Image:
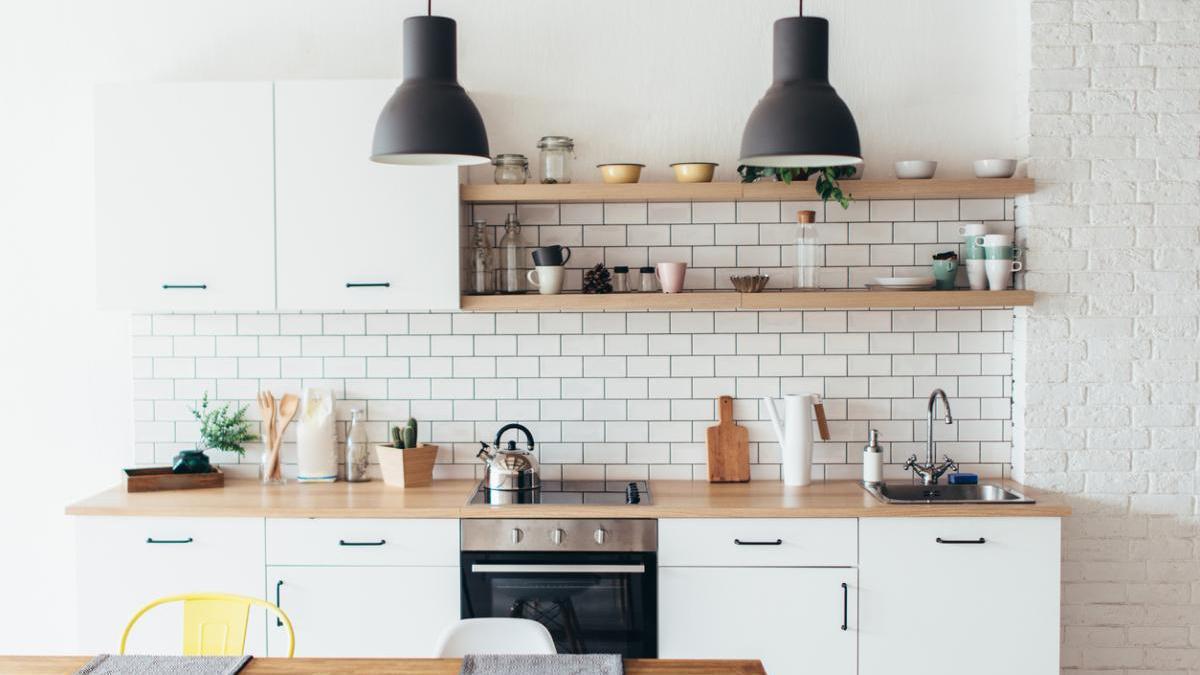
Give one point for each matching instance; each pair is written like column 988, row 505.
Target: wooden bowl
column 620, row 173
column 694, row 172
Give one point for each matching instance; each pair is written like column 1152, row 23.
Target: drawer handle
column 152, row 540
column 278, row 585
column 845, row 606
column 777, row 542
column 191, row 287
column 375, row 284
column 343, row 542
column 980, row 540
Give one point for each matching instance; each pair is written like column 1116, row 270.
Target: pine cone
column 597, row 280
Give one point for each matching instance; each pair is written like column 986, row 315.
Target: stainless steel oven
column 591, row 583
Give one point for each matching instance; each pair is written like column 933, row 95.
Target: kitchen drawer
column 362, row 541
column 758, row 542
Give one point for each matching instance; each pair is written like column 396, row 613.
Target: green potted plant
column 406, row 463
column 220, row 429
column 827, row 183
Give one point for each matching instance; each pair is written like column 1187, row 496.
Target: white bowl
column 995, row 168
column 915, row 168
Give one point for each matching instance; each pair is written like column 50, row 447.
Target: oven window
column 590, row 603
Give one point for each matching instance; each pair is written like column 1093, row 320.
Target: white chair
column 494, row 636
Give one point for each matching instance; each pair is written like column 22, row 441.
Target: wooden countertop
column 45, row 665
column 448, row 499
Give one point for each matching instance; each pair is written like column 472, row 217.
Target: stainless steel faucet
column 931, row 471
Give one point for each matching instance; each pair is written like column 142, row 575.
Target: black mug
column 551, row 256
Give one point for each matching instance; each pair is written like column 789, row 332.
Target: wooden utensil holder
column 154, row 479
column 407, row 467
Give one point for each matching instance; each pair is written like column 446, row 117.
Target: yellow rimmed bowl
column 620, row 173
column 694, row 172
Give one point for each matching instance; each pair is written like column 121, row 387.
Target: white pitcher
column 795, row 435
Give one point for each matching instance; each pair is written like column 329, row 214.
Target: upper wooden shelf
column 727, row 300
column 975, row 188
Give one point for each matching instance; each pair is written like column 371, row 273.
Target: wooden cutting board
column 728, row 447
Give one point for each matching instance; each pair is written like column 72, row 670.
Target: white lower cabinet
column 363, row 611
column 125, row 562
column 948, row 595
column 796, row 620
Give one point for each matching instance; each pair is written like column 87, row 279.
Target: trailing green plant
column 221, row 429
column 827, row 183
column 406, row 436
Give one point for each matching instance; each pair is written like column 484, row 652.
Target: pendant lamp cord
column 801, row 10
column 429, row 7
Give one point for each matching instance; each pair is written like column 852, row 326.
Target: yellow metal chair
column 214, row 624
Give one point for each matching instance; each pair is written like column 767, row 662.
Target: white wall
column 934, row 78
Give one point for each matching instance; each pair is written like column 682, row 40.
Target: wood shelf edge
column 967, row 188
column 730, row 300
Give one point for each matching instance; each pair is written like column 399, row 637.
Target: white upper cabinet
column 353, row 234
column 185, row 197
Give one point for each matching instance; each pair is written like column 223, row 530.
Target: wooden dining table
column 57, row 665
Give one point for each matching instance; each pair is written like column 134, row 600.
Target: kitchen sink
column 946, row 494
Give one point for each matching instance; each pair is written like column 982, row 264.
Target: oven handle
column 562, row 569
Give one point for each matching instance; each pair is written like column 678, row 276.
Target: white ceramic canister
column 316, row 438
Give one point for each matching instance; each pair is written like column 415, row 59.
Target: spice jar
column 511, row 169
column 556, row 153
column 620, row 279
column 648, row 281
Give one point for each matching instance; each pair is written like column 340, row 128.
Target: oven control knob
column 556, row 536
column 516, row 535
column 601, row 535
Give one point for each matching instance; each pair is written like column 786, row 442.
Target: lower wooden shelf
column 728, row 300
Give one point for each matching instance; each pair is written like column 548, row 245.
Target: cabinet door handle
column 980, row 540
column 152, row 540
column 777, row 542
column 373, row 284
column 845, row 606
column 278, row 585
column 343, row 542
column 193, row 287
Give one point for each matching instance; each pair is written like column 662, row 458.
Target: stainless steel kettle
column 506, row 467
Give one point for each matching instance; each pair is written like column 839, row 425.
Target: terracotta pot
column 411, row 467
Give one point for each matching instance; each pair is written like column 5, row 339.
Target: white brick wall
column 1107, row 359
column 624, row 394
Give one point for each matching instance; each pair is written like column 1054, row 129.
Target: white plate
column 904, row 282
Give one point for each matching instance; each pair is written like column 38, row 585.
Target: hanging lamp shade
column 800, row 121
column 430, row 120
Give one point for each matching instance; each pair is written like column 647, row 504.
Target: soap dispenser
column 872, row 461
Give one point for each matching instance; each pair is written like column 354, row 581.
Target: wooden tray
column 153, row 479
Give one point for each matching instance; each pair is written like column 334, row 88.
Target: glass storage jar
column 510, row 272
column 620, row 279
column 809, row 252
column 511, row 169
column 481, row 266
column 647, row 280
column 556, row 153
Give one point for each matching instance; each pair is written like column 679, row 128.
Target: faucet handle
column 912, row 462
column 950, row 464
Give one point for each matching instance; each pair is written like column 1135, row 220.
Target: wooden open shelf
column 975, row 188
column 728, row 300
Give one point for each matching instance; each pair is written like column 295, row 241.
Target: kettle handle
column 518, row 427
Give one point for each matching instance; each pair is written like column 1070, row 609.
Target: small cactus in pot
column 404, row 463
column 406, row 436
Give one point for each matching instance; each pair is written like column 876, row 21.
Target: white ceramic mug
column 977, row 273
column 972, row 229
column 994, row 240
column 549, row 279
column 999, row 273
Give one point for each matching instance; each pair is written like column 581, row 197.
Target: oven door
column 592, row 603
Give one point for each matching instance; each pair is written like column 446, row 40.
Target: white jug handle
column 774, row 415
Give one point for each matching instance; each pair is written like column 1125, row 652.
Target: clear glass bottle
column 357, row 451
column 511, row 169
column 620, row 279
column 810, row 254
column 648, row 282
column 509, row 272
column 556, row 153
column 481, row 261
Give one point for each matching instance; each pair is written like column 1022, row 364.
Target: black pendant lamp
column 801, row 121
column 430, row 120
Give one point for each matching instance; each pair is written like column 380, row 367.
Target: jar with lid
column 620, row 279
column 481, row 266
column 810, row 253
column 555, row 155
column 509, row 273
column 357, row 450
column 648, row 281
column 511, row 169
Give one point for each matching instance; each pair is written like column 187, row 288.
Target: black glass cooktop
column 633, row 493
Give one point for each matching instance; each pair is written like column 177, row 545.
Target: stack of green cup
column 999, row 259
column 973, row 254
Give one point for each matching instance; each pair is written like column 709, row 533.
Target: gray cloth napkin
column 542, row 664
column 151, row 664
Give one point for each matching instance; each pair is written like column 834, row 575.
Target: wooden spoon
column 287, row 410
